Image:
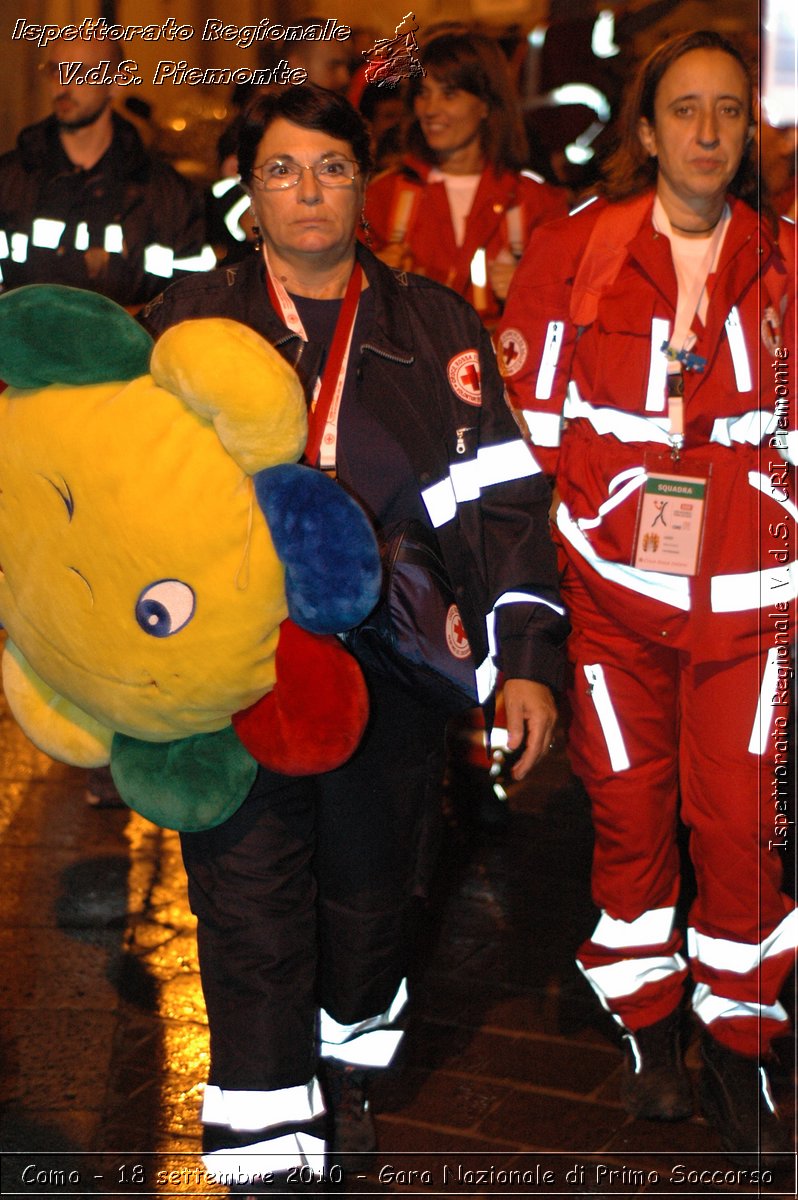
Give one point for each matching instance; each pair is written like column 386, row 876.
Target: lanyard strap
column 328, row 391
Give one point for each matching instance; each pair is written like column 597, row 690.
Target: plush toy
column 170, row 580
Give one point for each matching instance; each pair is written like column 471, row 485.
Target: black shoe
column 736, row 1100
column 655, row 1083
column 353, row 1133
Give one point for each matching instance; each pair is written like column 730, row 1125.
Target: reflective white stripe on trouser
column 763, row 718
column 626, row 427
column 250, row 1110
column 544, row 428
column 668, row 589
column 548, row 359
column 159, row 260
column 652, row 928
column 240, row 1166
column 749, row 428
column 626, row 977
column 599, row 693
column 465, row 481
column 366, row 1043
column 657, row 365
column 46, row 233
column 742, row 367
column 722, row 954
column 756, row 589
column 708, row 1007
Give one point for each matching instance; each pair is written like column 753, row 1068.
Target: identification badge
column 670, row 516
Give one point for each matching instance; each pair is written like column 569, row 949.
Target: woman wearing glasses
column 305, row 898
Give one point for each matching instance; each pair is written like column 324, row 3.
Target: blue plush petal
column 326, row 544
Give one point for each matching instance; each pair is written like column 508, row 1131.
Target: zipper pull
column 460, row 444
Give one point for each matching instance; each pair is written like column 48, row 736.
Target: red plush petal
column 314, row 718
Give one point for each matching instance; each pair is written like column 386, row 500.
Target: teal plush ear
column 54, row 334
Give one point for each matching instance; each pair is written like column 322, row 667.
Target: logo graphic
column 513, row 351
column 456, row 638
column 392, row 59
column 464, row 379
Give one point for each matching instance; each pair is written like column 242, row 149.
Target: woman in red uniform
column 648, row 338
column 461, row 207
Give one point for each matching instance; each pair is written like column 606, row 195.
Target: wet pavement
column 508, row 1081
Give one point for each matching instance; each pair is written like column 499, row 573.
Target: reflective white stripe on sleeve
column 722, row 954
column 602, row 702
column 264, row 1159
column 751, row 427
column 514, row 598
column 763, row 718
column 626, row 427
column 466, row 480
column 628, row 976
column 742, row 367
column 204, row 261
column 234, row 215
column 668, row 589
column 756, row 589
column 548, row 359
column 158, row 260
column 708, row 1007
column 658, row 365
column 46, row 233
column 114, row 239
column 632, row 479
column 245, row 1110
column 486, row 675
column 4, row 250
column 652, row 928
column 82, row 236
column 19, row 247
column 544, row 428
column 365, row 1043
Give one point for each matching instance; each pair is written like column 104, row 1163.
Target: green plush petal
column 190, row 784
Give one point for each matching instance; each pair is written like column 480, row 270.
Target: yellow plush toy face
column 135, row 565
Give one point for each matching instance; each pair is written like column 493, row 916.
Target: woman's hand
column 500, row 273
column 531, row 713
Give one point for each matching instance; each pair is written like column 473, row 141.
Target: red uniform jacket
column 584, row 364
column 403, row 207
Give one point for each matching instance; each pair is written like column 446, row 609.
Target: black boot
column 736, row 1099
column 655, row 1083
column 352, row 1133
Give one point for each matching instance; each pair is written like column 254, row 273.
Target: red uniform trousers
column 657, row 732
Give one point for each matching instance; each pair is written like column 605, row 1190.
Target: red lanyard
column 326, row 404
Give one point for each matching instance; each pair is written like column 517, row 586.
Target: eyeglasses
column 277, row 174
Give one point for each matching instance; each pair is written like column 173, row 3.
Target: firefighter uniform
column 407, row 206
column 680, row 682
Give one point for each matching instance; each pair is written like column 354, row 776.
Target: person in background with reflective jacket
column 306, row 897
column 461, row 207
column 648, row 341
column 83, row 203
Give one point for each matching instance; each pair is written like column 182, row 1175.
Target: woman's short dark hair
column 630, row 168
column 476, row 64
column 307, row 105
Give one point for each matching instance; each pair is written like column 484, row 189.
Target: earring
column 258, row 238
column 365, row 229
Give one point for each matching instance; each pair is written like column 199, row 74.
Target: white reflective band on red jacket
column 266, row 1158
column 544, row 428
column 739, row 353
column 787, row 446
column 668, row 589
column 708, row 1007
column 245, row 1110
column 657, row 365
column 751, row 427
column 466, row 480
column 741, row 958
column 626, row 427
column 365, row 1043
column 757, row 589
column 652, row 928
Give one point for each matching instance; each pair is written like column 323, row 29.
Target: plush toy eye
column 165, row 607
